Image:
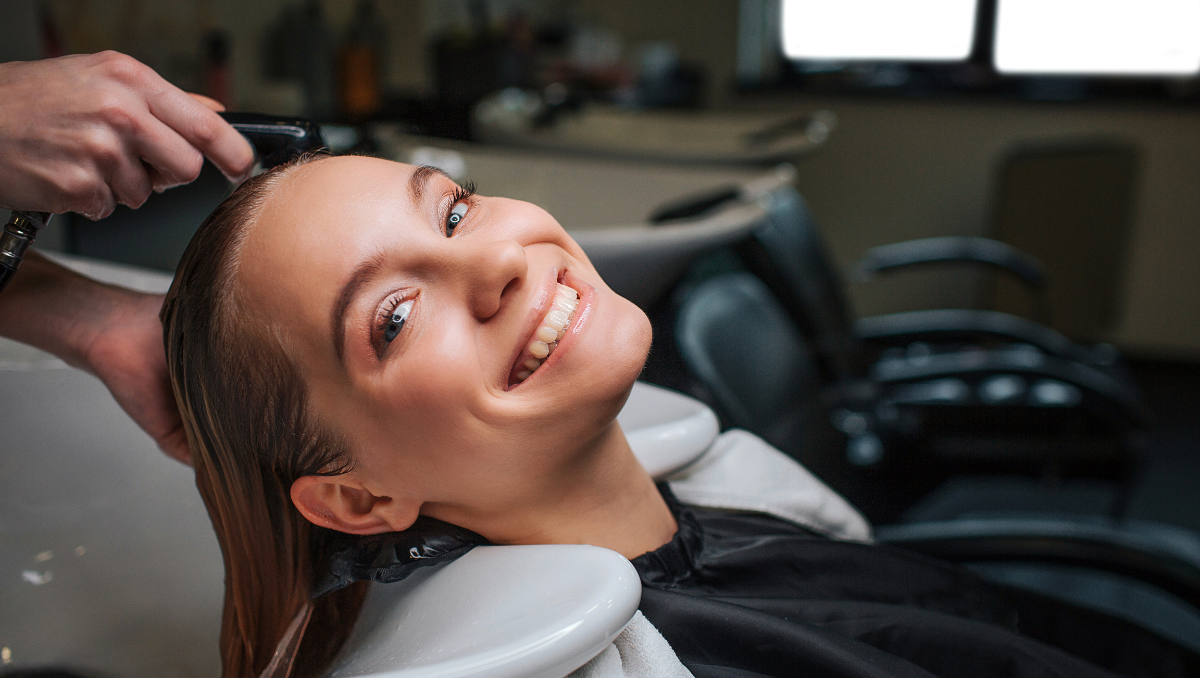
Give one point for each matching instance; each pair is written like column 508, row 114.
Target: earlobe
column 342, row 503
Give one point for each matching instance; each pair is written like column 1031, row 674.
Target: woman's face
column 410, row 310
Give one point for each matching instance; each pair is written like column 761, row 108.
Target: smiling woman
column 366, row 354
column 353, row 344
column 437, row 299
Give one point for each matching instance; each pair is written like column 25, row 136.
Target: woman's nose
column 491, row 268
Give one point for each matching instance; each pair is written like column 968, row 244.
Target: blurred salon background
column 1093, row 171
column 1069, row 129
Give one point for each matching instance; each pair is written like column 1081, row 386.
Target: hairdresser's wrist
column 57, row 310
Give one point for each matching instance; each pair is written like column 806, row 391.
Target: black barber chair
column 1144, row 572
column 921, row 399
column 914, row 398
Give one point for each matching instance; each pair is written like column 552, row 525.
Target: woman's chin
column 623, row 363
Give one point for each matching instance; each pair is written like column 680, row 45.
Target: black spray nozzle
column 17, row 236
column 277, row 140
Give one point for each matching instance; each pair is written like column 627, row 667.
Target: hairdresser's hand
column 127, row 354
column 83, row 133
column 110, row 331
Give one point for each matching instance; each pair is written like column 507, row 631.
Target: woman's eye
column 395, row 321
column 456, row 216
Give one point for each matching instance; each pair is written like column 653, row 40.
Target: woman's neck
column 605, row 498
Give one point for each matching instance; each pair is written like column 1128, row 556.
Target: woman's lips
column 560, row 318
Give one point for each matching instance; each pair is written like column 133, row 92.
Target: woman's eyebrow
column 369, row 267
column 419, row 178
column 363, row 274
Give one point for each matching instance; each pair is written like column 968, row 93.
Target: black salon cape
column 743, row 595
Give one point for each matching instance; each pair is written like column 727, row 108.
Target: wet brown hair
column 244, row 407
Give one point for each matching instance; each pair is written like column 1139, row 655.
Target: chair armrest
column 942, row 324
column 1171, row 565
column 952, row 249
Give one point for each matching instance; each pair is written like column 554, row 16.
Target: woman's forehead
column 330, row 200
column 336, row 183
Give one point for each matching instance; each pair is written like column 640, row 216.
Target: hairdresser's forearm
column 57, row 310
column 110, row 331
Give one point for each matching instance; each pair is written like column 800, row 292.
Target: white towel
column 639, row 651
column 741, row 471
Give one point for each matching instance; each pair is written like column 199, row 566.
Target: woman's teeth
column 547, row 335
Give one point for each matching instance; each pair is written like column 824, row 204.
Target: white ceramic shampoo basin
column 523, row 611
column 498, row 611
column 666, row 430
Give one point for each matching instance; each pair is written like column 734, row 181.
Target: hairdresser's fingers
column 100, row 205
column 89, row 170
column 75, row 130
column 158, row 180
column 150, row 402
column 204, row 129
column 114, row 156
column 168, row 429
column 110, row 125
column 173, row 161
column 195, row 121
column 212, row 103
column 129, row 180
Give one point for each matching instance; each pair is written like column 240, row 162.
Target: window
column 905, row 30
column 1098, row 37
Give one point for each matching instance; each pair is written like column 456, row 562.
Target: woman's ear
column 342, row 503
